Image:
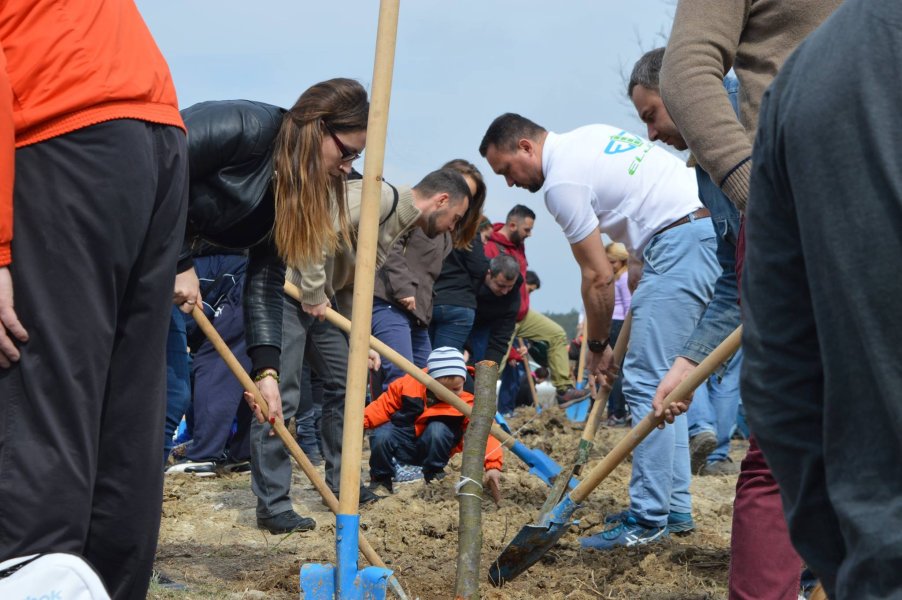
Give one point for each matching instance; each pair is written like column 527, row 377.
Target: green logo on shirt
column 627, row 142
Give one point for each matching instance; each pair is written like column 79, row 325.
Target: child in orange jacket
column 414, row 427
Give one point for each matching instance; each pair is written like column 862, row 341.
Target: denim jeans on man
column 178, row 378
column 398, row 329
column 677, row 283
column 431, row 450
column 451, row 325
column 715, row 406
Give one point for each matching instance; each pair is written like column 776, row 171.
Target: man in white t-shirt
column 598, row 179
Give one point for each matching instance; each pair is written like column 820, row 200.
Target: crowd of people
column 140, row 214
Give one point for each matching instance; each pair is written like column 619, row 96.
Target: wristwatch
column 598, row 346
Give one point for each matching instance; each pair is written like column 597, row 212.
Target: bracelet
column 266, row 373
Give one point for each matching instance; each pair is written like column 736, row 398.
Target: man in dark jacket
column 510, row 238
column 402, row 303
column 497, row 303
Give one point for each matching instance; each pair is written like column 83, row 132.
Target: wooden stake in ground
column 469, row 490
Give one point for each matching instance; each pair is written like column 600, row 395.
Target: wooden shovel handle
column 634, row 437
column 440, row 391
column 601, row 398
column 532, row 384
column 290, row 444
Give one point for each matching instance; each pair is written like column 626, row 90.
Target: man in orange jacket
column 414, row 427
column 93, row 175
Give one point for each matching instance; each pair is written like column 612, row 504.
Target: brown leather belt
column 701, row 213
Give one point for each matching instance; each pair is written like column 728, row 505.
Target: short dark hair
column 533, row 279
column 520, row 212
column 541, row 373
column 444, row 180
column 504, row 264
column 507, row 130
column 647, row 71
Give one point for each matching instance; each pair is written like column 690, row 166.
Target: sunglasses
column 347, row 155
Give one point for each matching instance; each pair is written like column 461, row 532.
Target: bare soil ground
column 209, row 539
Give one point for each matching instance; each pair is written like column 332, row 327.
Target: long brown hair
column 469, row 224
column 307, row 197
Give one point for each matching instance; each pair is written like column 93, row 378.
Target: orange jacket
column 404, row 403
column 69, row 65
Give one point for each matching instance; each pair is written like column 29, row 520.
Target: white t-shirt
column 601, row 176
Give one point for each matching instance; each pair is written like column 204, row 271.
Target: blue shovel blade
column 540, row 464
column 578, row 412
column 531, row 543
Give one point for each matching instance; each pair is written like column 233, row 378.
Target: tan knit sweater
column 321, row 281
column 754, row 37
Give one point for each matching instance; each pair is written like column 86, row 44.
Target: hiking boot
column 569, row 395
column 380, row 483
column 677, row 523
column 700, row 446
column 286, row 522
column 720, row 468
column 199, row 468
column 627, row 533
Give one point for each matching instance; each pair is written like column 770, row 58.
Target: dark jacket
column 411, row 270
column 461, row 276
column 231, row 204
column 499, row 314
column 498, row 244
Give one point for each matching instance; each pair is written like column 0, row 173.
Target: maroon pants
column 763, row 563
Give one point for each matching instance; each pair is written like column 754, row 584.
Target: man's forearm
column 598, row 300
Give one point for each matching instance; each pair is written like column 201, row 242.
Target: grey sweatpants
column 326, row 350
column 822, row 377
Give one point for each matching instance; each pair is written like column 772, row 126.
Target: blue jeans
column 178, row 378
column 715, row 406
column 431, row 450
column 677, row 283
column 398, row 329
column 451, row 325
column 510, row 386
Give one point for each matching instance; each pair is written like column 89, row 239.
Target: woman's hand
column 186, row 294
column 492, row 482
column 316, row 310
column 269, row 389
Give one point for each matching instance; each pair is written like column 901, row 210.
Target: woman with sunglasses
column 271, row 181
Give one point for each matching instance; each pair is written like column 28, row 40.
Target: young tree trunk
column 470, row 493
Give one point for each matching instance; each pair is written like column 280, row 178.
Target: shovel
column 290, row 444
column 540, row 464
column 534, row 540
column 586, row 442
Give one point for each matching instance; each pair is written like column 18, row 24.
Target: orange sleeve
column 7, row 163
column 382, row 408
column 494, row 455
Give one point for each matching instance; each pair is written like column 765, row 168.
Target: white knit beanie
column 446, row 362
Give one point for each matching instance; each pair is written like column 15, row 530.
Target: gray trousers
column 326, row 351
column 822, row 377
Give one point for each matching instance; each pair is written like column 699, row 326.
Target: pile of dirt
column 209, row 539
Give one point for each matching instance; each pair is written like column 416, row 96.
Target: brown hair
column 469, row 224
column 307, row 197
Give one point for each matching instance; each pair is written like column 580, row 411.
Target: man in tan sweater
column 754, row 37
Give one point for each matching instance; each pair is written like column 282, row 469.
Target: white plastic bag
column 55, row 576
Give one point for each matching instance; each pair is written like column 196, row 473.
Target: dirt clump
column 209, row 539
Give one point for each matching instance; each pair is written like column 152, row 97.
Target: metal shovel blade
column 531, row 543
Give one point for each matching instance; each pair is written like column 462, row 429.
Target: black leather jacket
column 231, row 205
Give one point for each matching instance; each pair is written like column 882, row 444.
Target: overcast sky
column 458, row 65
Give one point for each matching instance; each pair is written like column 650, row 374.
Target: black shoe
column 286, row 522
column 366, row 497
column 165, row 583
column 430, row 476
column 570, row 395
column 381, row 483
